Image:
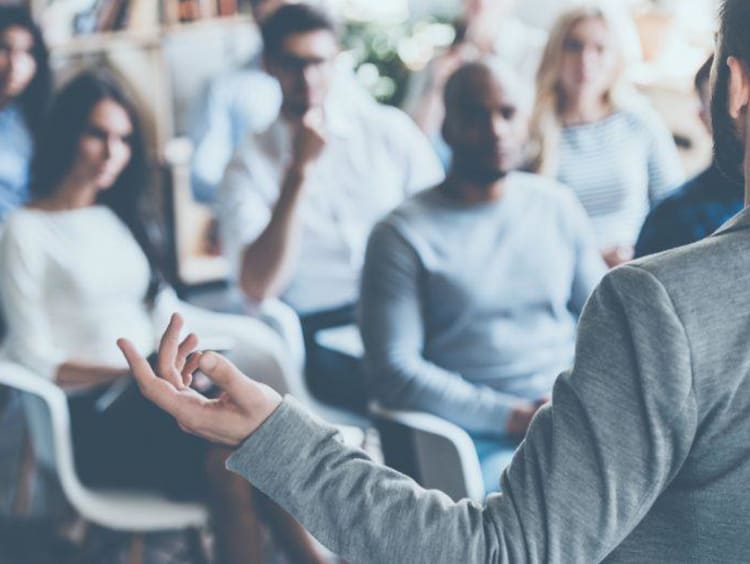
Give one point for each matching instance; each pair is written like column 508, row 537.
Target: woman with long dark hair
column 79, row 267
column 24, row 92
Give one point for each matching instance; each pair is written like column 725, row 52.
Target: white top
column 374, row 158
column 233, row 104
column 72, row 283
column 242, row 102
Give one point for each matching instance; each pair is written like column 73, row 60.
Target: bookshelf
column 165, row 51
column 140, row 49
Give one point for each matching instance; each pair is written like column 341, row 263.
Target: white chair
column 433, row 451
column 46, row 410
column 285, row 322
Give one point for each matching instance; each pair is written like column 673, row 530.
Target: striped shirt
column 620, row 167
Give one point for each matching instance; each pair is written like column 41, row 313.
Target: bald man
column 471, row 290
column 641, row 457
column 485, row 27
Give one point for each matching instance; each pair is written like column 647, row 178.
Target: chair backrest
column 436, row 453
column 48, row 419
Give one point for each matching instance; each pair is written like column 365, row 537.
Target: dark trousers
column 135, row 444
column 333, row 377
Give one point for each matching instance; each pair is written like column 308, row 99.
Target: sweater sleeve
column 22, row 280
column 665, row 172
column 393, row 332
column 618, row 430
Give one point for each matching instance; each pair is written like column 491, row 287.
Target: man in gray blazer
column 642, row 456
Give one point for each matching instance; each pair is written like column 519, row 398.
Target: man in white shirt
column 244, row 101
column 299, row 199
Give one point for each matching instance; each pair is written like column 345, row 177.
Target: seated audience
column 25, row 84
column 641, row 456
column 471, row 290
column 299, row 199
column 241, row 102
column 487, row 27
column 592, row 132
column 701, row 205
column 79, row 266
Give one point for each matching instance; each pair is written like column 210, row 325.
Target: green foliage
column 386, row 54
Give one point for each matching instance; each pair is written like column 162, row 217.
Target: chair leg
column 25, row 484
column 136, row 550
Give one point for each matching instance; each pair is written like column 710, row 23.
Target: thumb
column 227, row 376
column 314, row 119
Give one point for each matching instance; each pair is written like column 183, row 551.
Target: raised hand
column 240, row 409
column 309, row 138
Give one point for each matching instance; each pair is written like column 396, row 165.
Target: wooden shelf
column 208, row 23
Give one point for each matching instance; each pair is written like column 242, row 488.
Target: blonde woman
column 594, row 133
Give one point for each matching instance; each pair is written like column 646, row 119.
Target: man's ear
column 739, row 87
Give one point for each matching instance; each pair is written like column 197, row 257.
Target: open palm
column 240, row 409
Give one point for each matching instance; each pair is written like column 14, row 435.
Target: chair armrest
column 51, row 431
column 20, row 378
column 432, row 425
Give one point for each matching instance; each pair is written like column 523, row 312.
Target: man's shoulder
column 709, row 267
column 693, row 204
column 415, row 216
column 538, row 185
column 382, row 118
column 265, row 140
column 421, row 205
column 547, row 191
column 686, row 198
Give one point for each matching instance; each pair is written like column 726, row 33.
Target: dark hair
column 703, row 74
column 729, row 150
column 734, row 17
column 57, row 149
column 292, row 19
column 35, row 98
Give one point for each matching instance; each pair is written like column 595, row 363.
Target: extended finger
column 168, row 349
column 154, row 388
column 139, row 366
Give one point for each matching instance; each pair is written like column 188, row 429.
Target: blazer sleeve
column 619, row 428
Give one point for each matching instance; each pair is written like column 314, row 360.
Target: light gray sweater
column 468, row 310
column 643, row 456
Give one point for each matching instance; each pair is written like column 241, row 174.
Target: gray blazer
column 643, row 456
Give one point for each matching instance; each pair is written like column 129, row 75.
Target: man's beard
column 468, row 167
column 729, row 150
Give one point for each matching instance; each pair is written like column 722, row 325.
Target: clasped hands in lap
column 238, row 411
